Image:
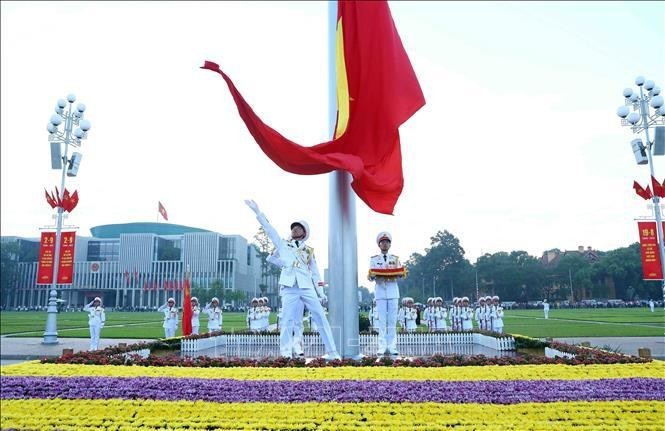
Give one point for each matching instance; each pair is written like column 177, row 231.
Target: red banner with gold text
column 651, row 268
column 46, row 258
column 66, row 260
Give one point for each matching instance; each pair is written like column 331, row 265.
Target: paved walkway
column 15, row 349
column 626, row 345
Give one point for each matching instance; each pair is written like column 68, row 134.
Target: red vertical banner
column 651, row 268
column 66, row 260
column 46, row 257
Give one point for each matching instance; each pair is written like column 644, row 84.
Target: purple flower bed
column 229, row 390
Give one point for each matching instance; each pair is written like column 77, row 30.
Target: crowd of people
column 437, row 317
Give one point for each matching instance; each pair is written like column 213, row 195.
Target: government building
column 139, row 265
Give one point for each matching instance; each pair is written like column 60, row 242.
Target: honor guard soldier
column 440, row 315
column 196, row 311
column 452, row 313
column 546, row 309
column 214, row 312
column 170, row 318
column 466, row 315
column 497, row 321
column 489, row 313
column 253, row 316
column 410, row 315
column 385, row 269
column 479, row 313
column 96, row 320
column 427, row 315
column 300, row 282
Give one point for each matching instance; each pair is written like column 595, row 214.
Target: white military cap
column 438, row 298
column 255, row 300
column 383, row 235
column 495, row 297
column 171, row 300
column 304, row 225
column 214, row 299
column 465, row 298
column 97, row 298
column 194, row 298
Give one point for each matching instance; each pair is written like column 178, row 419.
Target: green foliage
column 363, row 323
column 9, row 268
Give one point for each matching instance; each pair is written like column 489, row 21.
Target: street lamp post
column 641, row 120
column 64, row 113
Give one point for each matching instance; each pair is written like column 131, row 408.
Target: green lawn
column 612, row 322
column 599, row 322
column 118, row 324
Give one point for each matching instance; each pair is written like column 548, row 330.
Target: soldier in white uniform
column 479, row 313
column 299, row 282
column 214, row 312
column 453, row 314
column 196, row 311
column 266, row 313
column 466, row 315
column 386, row 293
column 440, row 315
column 497, row 321
column 546, row 309
column 253, row 316
column 428, row 315
column 170, row 318
column 410, row 315
column 96, row 320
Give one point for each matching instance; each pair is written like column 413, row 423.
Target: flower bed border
column 129, row 355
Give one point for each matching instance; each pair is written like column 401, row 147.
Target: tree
column 265, row 247
column 9, row 269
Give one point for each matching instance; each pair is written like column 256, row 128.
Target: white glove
column 252, row 205
column 323, row 298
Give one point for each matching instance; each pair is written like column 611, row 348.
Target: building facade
column 140, row 265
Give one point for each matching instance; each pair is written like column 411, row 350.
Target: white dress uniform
column 497, row 321
column 214, row 317
column 374, row 319
column 196, row 311
column 298, row 327
column 299, row 282
column 170, row 319
column 410, row 315
column 466, row 316
column 440, row 315
column 546, row 309
column 254, row 315
column 96, row 320
column 386, row 293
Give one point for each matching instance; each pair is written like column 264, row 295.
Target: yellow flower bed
column 147, row 415
column 495, row 372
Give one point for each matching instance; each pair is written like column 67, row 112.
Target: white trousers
column 95, row 331
column 298, row 329
column 293, row 298
column 547, row 313
column 387, row 311
column 195, row 330
column 169, row 332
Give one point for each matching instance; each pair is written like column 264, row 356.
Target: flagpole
column 342, row 242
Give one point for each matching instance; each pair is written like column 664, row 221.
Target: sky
column 517, row 148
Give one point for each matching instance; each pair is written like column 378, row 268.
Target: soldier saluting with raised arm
column 299, row 282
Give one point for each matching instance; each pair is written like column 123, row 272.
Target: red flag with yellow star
column 377, row 91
